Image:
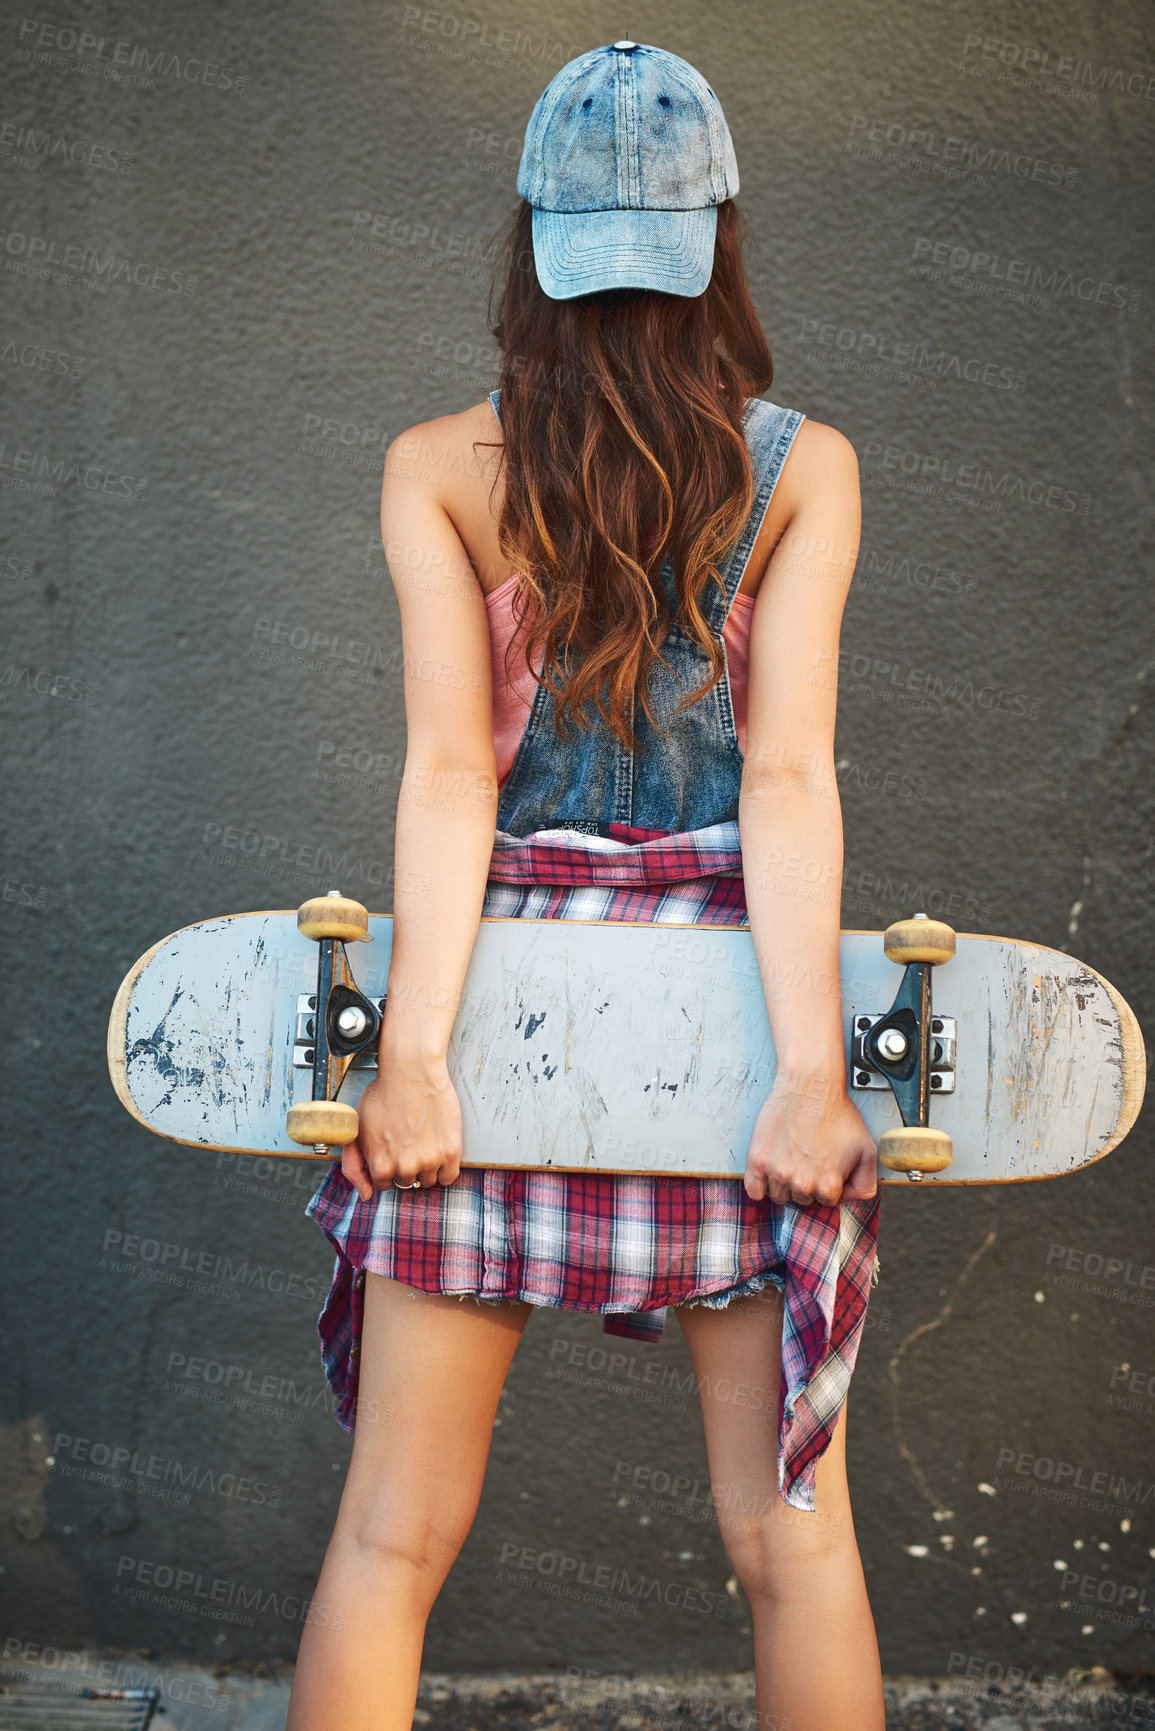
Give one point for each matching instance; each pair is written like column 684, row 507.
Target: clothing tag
column 586, row 826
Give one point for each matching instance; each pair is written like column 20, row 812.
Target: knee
column 423, row 1544
column 778, row 1549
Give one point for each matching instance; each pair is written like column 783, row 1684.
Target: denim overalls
column 688, row 777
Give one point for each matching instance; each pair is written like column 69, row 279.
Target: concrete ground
column 201, row 1699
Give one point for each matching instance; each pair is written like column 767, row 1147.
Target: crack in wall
column 895, row 1386
column 1092, row 790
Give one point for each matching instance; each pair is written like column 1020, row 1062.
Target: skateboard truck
column 910, row 1049
column 336, row 1024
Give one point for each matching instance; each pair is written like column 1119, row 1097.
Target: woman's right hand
column 810, row 1144
column 410, row 1128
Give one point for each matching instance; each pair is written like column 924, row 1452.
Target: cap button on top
column 625, row 43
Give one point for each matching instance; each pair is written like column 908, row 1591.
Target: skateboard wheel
column 919, row 940
column 915, row 1148
column 332, row 917
column 322, row 1121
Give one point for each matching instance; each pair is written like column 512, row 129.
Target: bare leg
column 815, row 1652
column 432, row 1368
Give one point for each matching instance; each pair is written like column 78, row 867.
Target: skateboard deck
column 607, row 1047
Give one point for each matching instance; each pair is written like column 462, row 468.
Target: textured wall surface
column 246, row 246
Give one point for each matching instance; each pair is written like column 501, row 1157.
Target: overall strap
column 770, row 432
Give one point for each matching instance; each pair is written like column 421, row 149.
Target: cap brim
column 580, row 252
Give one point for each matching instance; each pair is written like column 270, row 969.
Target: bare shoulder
column 819, row 458
column 440, row 453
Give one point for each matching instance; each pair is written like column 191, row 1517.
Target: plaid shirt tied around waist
column 625, row 1245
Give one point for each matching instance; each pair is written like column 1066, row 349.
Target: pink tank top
column 512, row 702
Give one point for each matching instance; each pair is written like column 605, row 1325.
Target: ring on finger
column 416, row 1185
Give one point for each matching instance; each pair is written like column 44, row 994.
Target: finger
column 779, row 1192
column 755, row 1185
column 862, row 1184
column 355, row 1170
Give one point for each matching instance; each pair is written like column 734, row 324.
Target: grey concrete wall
column 204, row 359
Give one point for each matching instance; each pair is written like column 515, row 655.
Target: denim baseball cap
column 627, row 156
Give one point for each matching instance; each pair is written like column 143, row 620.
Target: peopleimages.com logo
column 212, row 1595
column 72, row 1455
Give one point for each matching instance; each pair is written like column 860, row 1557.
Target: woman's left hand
column 810, row 1145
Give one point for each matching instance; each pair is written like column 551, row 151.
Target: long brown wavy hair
column 621, row 417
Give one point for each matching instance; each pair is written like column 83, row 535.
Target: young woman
column 621, row 582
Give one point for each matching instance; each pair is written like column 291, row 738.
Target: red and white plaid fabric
column 626, row 1246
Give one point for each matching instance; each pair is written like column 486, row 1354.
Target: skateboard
column 610, row 1047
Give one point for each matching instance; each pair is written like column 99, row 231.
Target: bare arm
column 446, row 818
column 810, row 1140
